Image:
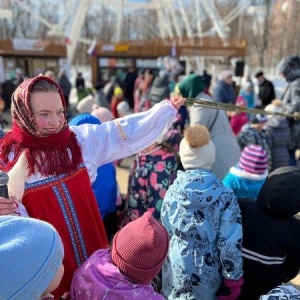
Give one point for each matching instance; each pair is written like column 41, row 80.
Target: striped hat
column 254, row 159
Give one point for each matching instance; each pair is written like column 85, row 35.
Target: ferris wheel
column 168, row 12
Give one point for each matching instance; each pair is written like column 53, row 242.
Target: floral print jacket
column 203, row 220
column 149, row 179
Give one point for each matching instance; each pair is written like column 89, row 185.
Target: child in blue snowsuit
column 203, row 220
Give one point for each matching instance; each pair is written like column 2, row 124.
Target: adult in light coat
column 227, row 149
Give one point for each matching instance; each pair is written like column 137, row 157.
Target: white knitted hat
column 196, row 150
column 123, row 108
column 85, row 106
column 225, row 74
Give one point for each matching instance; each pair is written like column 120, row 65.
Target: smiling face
column 48, row 112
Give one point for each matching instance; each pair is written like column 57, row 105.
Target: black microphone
column 3, row 184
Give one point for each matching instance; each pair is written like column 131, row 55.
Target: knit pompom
column 197, row 136
column 277, row 102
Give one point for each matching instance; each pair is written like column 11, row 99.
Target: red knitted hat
column 140, row 248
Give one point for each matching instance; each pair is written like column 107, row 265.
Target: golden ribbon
column 232, row 107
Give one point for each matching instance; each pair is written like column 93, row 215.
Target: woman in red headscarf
column 51, row 166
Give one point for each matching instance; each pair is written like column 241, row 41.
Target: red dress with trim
column 68, row 203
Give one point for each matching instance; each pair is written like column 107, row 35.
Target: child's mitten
column 234, row 289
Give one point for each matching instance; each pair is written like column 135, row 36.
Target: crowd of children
column 208, row 225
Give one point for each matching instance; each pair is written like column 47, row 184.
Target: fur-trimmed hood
column 290, row 67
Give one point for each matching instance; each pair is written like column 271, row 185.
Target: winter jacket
column 291, row 97
column 282, row 292
column 159, row 90
column 271, row 240
column 278, row 133
column 150, row 177
column 80, row 84
column 173, row 138
column 203, row 220
column 224, row 93
column 105, row 184
column 249, row 96
column 227, row 149
column 291, row 103
column 237, row 121
column 115, row 100
column 244, row 184
column 100, row 279
column 290, row 68
column 65, row 85
column 266, row 92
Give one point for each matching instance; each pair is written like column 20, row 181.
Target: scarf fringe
column 62, row 158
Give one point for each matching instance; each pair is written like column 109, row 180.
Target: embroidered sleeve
column 126, row 136
column 121, row 131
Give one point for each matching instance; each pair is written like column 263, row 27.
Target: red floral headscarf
column 54, row 154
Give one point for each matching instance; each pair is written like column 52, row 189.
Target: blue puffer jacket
column 203, row 220
column 244, row 184
column 105, row 185
column 224, row 93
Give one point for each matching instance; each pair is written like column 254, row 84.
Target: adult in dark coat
column 8, row 88
column 65, row 85
column 271, row 240
column 278, row 132
column 80, row 82
column 129, row 85
column 266, row 91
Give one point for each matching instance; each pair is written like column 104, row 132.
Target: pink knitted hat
column 140, row 248
column 254, row 159
column 241, row 101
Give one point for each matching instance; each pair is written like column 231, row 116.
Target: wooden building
column 30, row 55
column 22, row 57
column 144, row 54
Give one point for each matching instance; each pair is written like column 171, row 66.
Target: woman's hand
column 177, row 101
column 7, row 206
